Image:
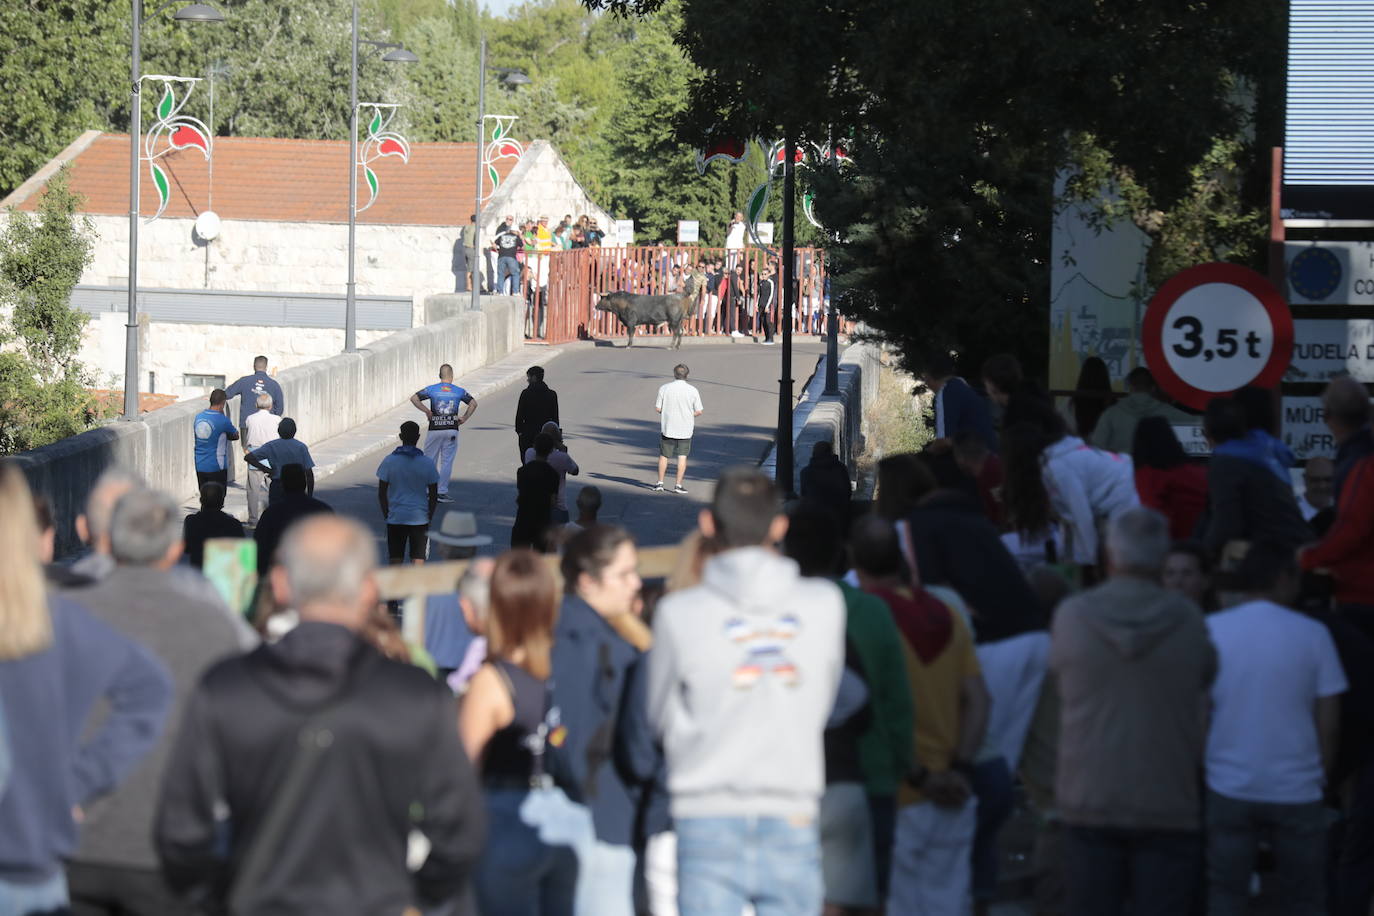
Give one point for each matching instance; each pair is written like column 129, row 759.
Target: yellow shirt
column 543, row 239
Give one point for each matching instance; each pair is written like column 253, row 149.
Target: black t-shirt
column 536, row 485
column 508, row 243
column 199, row 527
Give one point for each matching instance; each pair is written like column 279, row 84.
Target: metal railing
column 578, row 278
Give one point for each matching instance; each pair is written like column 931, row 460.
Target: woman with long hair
column 1165, row 479
column 508, row 724
column 1092, row 395
column 1033, row 528
column 56, row 663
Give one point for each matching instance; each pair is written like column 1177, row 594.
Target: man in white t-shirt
column 679, row 404
column 259, row 429
column 1272, row 736
column 734, row 240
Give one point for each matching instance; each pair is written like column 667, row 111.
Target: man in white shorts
column 679, row 404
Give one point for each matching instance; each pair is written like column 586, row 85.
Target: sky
column 500, row 7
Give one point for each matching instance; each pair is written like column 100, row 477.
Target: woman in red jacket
column 1166, row 481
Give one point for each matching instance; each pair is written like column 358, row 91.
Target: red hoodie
column 1347, row 551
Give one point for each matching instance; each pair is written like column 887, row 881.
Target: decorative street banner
column 501, row 146
column 181, row 132
column 379, row 142
column 775, row 157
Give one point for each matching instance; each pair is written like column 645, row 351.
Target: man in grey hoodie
column 742, row 678
column 1134, row 666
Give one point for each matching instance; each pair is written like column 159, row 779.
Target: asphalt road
column 606, row 399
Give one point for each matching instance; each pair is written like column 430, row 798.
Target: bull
column 634, row 309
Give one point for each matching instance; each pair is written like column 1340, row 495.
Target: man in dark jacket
column 957, row 406
column 600, row 690
column 825, row 483
column 250, row 386
column 538, row 405
column 322, row 755
column 1247, row 499
column 292, row 507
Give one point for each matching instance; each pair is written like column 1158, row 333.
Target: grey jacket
column 1133, row 664
column 155, row 610
column 742, row 677
column 1115, row 430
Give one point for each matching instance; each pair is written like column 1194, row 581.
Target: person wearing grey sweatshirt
column 743, row 675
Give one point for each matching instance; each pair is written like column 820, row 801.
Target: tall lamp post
column 196, row 12
column 785, row 460
column 396, row 53
column 511, row 78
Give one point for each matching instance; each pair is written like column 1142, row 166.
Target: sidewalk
column 379, row 433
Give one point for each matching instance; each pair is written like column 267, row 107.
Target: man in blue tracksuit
column 600, row 689
column 250, row 386
column 441, row 444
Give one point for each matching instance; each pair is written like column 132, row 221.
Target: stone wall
column 326, row 397
column 268, row 256
column 171, row 350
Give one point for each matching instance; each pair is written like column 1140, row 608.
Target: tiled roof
column 287, row 180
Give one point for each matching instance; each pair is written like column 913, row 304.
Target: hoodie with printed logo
column 742, row 677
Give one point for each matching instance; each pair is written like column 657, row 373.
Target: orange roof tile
column 286, row 180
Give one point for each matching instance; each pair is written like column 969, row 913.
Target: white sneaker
column 768, row 343
column 659, row 486
column 736, row 334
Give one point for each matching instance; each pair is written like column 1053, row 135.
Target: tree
column 43, row 394
column 958, row 117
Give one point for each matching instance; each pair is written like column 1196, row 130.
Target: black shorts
column 674, row 448
column 398, row 536
column 204, row 477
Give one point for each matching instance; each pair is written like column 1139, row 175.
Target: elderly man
column 1134, row 667
column 93, row 526
column 321, row 755
column 259, row 428
column 275, row 455
column 115, row 869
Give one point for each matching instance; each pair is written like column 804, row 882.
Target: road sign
column 1214, row 328
column 1328, row 347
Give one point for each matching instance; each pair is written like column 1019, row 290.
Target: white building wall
column 539, row 185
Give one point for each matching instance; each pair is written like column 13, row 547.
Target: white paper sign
column 625, row 231
column 765, row 233
column 688, row 231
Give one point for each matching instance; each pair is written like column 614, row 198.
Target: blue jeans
column 508, row 267
column 992, row 785
column 1110, row 871
column 49, row 896
column 1297, row 836
column 529, row 865
column 725, row 862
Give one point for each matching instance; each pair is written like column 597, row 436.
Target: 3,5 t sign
column 1215, row 328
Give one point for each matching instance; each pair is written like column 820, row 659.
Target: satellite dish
column 207, row 225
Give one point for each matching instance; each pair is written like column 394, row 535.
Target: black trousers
column 108, row 890
column 204, row 477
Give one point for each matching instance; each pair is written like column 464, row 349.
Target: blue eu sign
column 1314, row 273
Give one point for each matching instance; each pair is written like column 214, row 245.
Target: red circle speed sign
column 1214, row 328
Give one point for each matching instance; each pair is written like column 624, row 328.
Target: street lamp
column 512, row 79
column 396, row 54
column 196, row 12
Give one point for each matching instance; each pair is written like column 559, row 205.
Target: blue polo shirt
column 444, row 398
column 407, row 474
column 278, row 453
column 212, row 446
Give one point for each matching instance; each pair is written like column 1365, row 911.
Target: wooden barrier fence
column 578, row 278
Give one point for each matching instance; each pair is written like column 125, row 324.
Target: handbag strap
column 313, row 741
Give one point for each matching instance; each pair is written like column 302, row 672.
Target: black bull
column 634, row 309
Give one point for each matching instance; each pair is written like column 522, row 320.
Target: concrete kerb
column 838, row 419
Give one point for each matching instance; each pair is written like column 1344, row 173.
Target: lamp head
column 198, row 12
column 400, row 56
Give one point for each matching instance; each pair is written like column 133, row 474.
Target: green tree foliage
column 43, row 394
column 958, row 118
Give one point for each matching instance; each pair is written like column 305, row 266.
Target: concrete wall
column 840, row 419
column 326, row 397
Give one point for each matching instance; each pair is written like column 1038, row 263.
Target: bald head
column 325, row 571
column 94, row 526
column 1346, row 403
column 445, row 373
